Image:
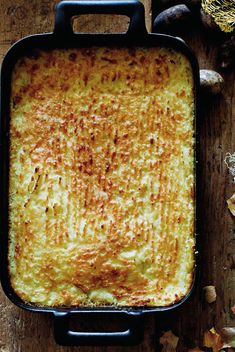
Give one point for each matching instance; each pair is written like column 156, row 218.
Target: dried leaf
column 222, row 11
column 233, row 309
column 231, row 204
column 228, row 337
column 195, row 349
column 210, row 293
column 169, row 341
column 212, row 339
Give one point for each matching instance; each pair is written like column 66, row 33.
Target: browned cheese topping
column 102, row 177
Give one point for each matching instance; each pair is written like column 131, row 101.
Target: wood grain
column 217, row 233
column 25, row 331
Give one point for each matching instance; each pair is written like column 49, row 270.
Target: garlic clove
column 210, row 294
column 169, row 341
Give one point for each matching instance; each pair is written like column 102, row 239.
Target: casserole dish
column 63, row 37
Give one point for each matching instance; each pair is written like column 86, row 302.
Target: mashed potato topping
column 102, row 177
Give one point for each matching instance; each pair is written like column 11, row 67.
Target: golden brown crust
column 101, row 177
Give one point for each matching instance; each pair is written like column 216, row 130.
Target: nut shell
column 211, row 82
column 172, row 18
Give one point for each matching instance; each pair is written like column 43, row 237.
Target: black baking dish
column 64, row 37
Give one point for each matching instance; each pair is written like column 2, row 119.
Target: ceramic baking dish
column 64, row 37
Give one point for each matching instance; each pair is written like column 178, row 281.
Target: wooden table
column 24, row 331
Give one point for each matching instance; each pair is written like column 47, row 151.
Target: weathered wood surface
column 24, row 331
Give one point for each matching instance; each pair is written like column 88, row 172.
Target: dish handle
column 134, row 9
column 64, row 336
